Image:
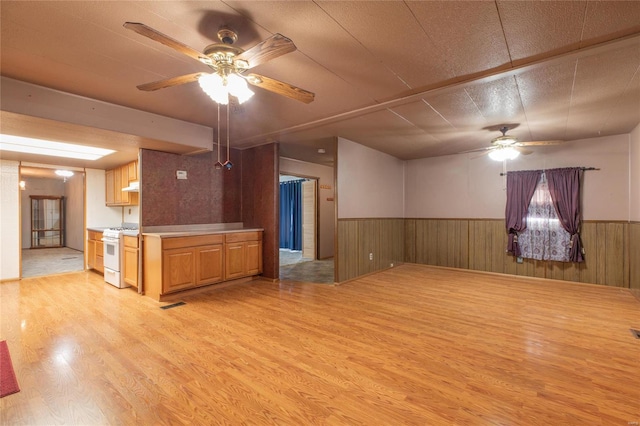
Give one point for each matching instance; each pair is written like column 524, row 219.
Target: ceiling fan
column 229, row 65
column 508, row 147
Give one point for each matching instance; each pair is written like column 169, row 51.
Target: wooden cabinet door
column 91, row 254
column 254, row 258
column 117, row 186
column 178, row 269
column 133, row 171
column 124, row 182
column 234, row 260
column 130, row 266
column 109, row 187
column 209, row 264
column 99, row 262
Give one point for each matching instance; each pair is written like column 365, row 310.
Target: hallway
column 293, row 267
column 38, row 262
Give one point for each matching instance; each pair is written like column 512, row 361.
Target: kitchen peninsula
column 181, row 258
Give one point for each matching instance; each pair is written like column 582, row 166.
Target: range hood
column 133, row 187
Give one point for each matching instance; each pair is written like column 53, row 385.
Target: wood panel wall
column 260, row 201
column 384, row 238
column 612, row 249
column 634, row 257
column 479, row 244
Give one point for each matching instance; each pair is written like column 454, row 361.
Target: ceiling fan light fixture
column 502, row 154
column 213, row 85
column 238, row 87
column 219, row 88
column 504, row 141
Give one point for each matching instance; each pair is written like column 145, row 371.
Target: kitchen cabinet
column 174, row 264
column 117, row 179
column 209, row 264
column 110, row 185
column 95, row 251
column 130, row 260
column 243, row 254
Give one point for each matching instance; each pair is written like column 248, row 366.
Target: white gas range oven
column 113, row 242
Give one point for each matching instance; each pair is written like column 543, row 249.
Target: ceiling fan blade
column 487, row 148
column 541, row 143
column 482, row 154
column 281, row 88
column 271, row 48
column 523, row 151
column 169, row 82
column 155, row 35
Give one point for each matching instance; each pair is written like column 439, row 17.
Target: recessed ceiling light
column 51, row 148
column 64, row 173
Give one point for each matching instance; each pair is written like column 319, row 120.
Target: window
column 542, row 200
column 544, row 238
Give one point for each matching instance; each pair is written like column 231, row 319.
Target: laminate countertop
column 97, row 228
column 196, row 233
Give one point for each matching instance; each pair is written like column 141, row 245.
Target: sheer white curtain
column 544, row 238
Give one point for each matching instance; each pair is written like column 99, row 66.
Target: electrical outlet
column 519, row 259
column 391, row 265
column 370, row 256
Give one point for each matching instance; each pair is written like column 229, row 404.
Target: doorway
column 52, row 221
column 299, row 212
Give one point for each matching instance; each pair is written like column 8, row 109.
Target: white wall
column 74, row 211
column 326, row 219
column 634, row 175
column 98, row 214
column 370, row 183
column 131, row 214
column 468, row 186
column 9, row 220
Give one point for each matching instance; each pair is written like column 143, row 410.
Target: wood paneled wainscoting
column 612, row 249
column 383, row 238
column 634, row 258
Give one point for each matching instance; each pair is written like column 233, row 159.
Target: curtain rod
column 581, row 168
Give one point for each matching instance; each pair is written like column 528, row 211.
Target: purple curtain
column 564, row 187
column 520, row 188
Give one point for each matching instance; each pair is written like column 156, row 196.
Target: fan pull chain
column 218, row 163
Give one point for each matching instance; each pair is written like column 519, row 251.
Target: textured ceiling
column 412, row 79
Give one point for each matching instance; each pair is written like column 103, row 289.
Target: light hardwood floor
column 411, row 345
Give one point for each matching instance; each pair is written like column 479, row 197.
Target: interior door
column 309, row 232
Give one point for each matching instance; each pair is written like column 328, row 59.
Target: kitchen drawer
column 130, row 241
column 236, row 237
column 95, row 235
column 99, row 266
column 197, row 240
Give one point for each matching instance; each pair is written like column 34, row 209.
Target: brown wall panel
column 410, row 240
column 206, row 196
column 260, row 203
column 589, row 268
column 384, row 238
column 634, row 255
column 612, row 250
column 347, row 259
